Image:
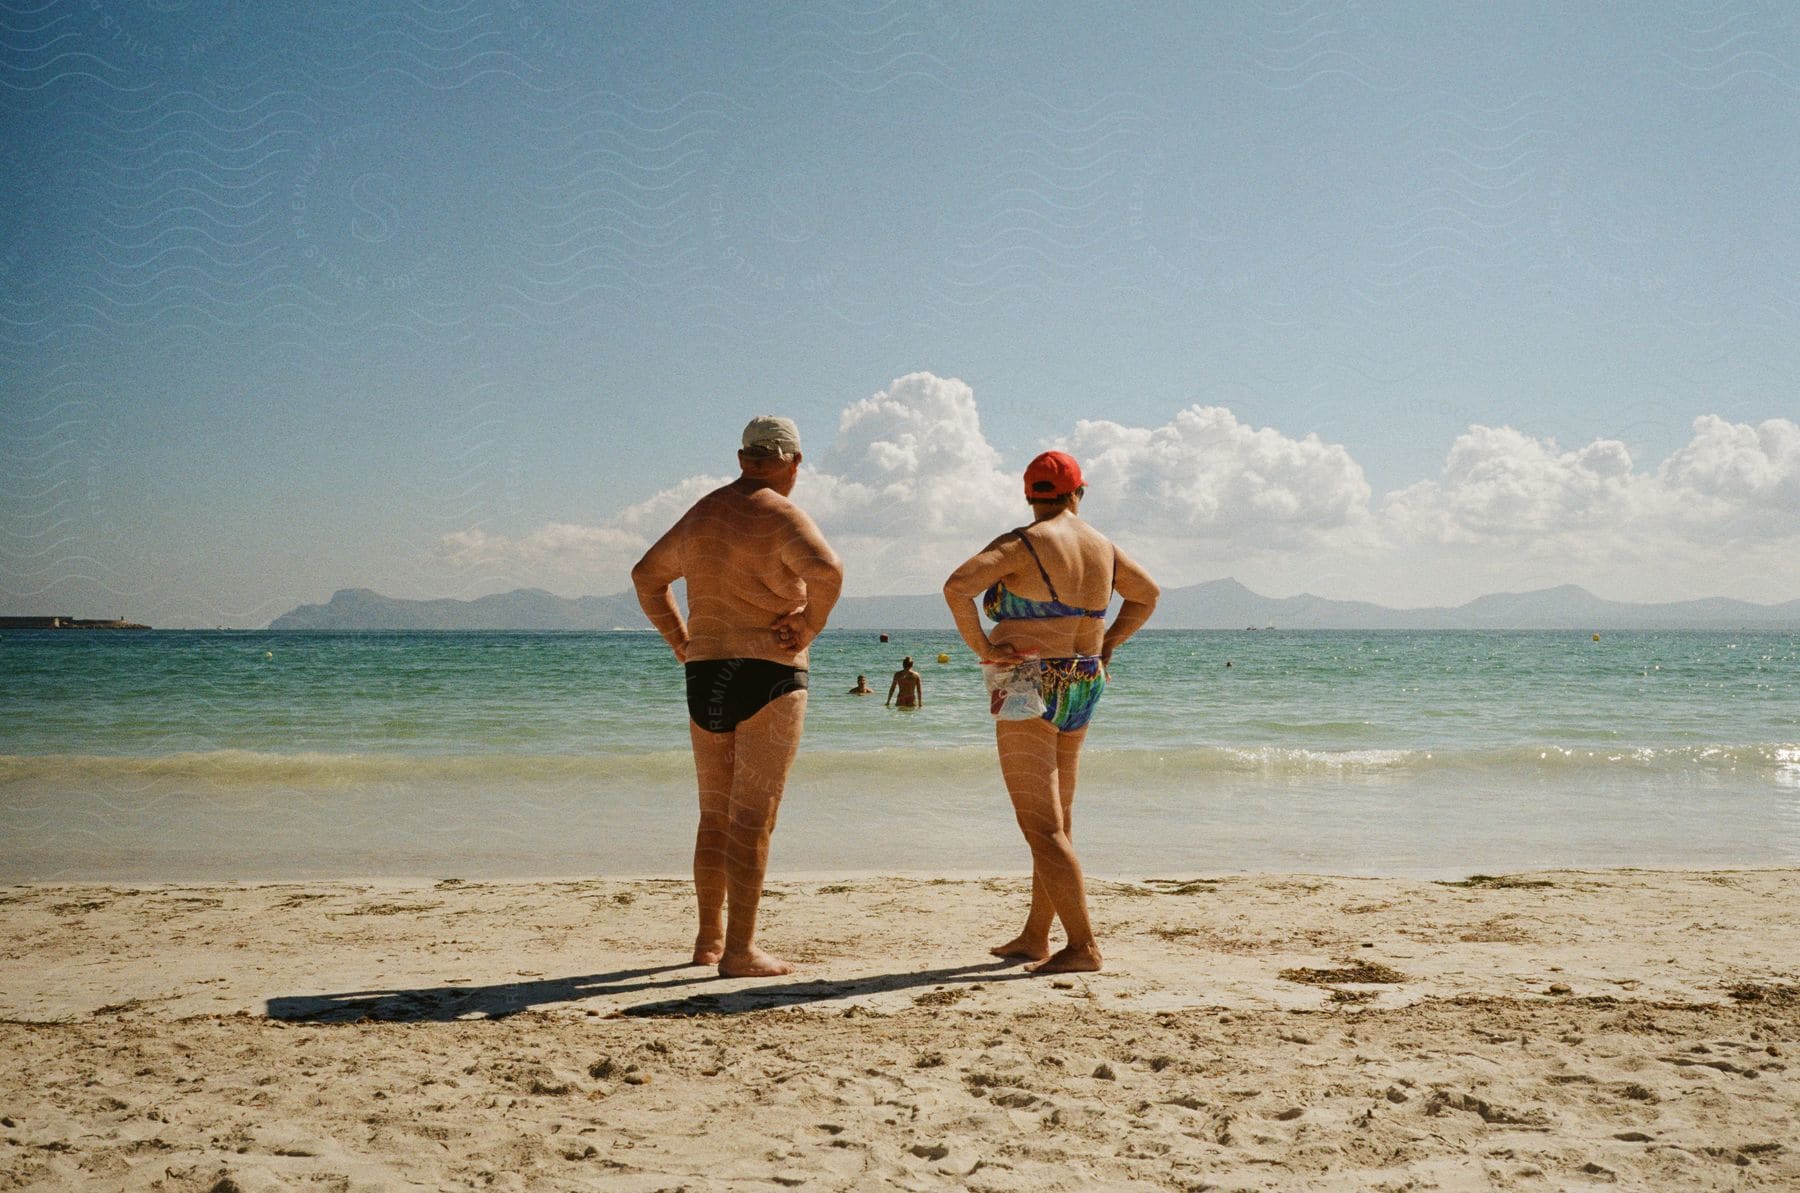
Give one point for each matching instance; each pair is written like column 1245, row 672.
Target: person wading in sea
column 907, row 683
column 761, row 580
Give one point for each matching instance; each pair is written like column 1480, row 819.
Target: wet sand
column 1614, row 1029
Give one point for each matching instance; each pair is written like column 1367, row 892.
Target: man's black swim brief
column 723, row 692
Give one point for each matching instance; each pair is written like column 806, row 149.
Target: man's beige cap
column 770, row 434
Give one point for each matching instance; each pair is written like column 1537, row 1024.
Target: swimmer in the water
column 909, row 686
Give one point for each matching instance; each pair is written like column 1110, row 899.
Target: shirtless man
column 760, row 582
column 908, row 684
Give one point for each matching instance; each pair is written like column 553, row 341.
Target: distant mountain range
column 1227, row 604
column 1216, row 604
column 520, row 609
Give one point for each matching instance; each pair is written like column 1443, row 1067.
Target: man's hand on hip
column 793, row 631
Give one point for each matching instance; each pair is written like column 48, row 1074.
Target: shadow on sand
column 792, row 994
column 445, row 1003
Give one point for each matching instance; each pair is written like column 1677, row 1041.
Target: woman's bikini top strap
column 1020, row 535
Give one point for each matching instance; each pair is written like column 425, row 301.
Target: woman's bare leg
column 1033, row 941
column 1029, row 761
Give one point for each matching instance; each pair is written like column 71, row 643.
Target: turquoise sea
column 185, row 755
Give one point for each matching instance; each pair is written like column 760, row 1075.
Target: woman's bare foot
column 753, row 964
column 708, row 949
column 1070, row 960
column 1019, row 946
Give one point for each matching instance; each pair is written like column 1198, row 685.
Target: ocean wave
column 1778, row 762
column 1769, row 758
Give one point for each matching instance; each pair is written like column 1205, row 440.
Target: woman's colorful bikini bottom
column 1066, row 689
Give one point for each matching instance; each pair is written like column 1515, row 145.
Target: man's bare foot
column 708, row 949
column 1070, row 960
column 753, row 964
column 1018, row 946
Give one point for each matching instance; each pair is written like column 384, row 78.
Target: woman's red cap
column 1052, row 475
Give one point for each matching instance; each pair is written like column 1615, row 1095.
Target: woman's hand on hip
column 1001, row 652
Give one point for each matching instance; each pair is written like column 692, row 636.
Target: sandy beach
column 1611, row 1029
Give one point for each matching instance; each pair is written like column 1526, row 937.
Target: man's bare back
column 908, row 685
column 744, row 554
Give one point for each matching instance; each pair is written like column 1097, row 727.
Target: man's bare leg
column 766, row 744
column 712, row 767
column 1033, row 941
column 1028, row 760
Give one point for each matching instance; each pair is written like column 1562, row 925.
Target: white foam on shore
column 327, row 770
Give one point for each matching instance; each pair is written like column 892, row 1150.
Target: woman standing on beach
column 1046, row 587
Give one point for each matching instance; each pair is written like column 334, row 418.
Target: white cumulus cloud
column 1205, row 474
column 911, row 459
column 648, row 519
column 1499, row 484
column 557, row 546
column 1508, row 511
column 1742, row 480
column 910, row 486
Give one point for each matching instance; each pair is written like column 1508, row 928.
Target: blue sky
column 1403, row 303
